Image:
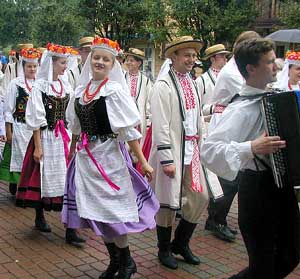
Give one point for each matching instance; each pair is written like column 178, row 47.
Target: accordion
column 282, row 118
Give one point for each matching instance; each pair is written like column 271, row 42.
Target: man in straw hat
column 139, row 85
column 13, row 69
column 216, row 55
column 85, row 44
column 178, row 179
column 229, row 83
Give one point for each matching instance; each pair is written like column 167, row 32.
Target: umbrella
column 286, row 35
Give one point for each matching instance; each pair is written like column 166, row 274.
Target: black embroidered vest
column 55, row 109
column 21, row 103
column 93, row 118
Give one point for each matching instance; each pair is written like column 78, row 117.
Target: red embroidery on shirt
column 189, row 97
column 133, row 84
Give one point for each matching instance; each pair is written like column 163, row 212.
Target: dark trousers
column 270, row 225
column 218, row 210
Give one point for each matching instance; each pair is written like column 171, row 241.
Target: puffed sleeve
column 72, row 119
column 123, row 114
column 35, row 110
column 161, row 117
column 10, row 102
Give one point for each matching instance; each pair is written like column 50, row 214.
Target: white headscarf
column 46, row 68
column 21, row 68
column 283, row 76
column 116, row 73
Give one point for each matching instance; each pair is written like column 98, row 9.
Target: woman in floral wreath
column 104, row 192
column 45, row 164
column 17, row 134
column 289, row 77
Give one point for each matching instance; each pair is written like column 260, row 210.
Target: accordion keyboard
column 273, row 130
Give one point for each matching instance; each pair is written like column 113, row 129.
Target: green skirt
column 5, row 174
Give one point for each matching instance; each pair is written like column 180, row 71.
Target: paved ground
column 27, row 253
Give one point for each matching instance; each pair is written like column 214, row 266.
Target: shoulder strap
column 211, row 78
column 173, row 79
column 140, row 87
column 204, row 91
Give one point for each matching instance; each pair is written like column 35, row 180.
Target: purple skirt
column 146, row 201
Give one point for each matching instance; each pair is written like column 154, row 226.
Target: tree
column 196, row 17
column 289, row 14
column 56, row 21
column 115, row 19
column 14, row 21
column 237, row 16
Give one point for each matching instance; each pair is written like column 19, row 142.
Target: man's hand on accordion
column 266, row 144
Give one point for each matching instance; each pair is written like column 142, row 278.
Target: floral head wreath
column 12, row 53
column 30, row 54
column 61, row 51
column 293, row 57
column 107, row 44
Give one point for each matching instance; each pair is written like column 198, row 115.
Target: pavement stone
column 26, row 253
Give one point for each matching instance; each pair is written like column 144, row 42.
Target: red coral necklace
column 59, row 93
column 87, row 96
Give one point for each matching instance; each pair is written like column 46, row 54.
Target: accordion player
column 281, row 116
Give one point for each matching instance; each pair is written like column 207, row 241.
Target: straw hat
column 25, row 45
column 183, row 42
column 136, row 53
column 215, row 49
column 41, row 49
column 86, row 42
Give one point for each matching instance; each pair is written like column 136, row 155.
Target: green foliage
column 196, row 17
column 237, row 16
column 56, row 21
column 115, row 19
column 289, row 14
column 40, row 21
column 63, row 22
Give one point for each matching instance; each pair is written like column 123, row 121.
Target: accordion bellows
column 282, row 118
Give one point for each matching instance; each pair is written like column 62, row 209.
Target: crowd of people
column 88, row 134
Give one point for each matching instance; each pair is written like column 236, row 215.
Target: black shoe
column 166, row 259
column 180, row 244
column 73, row 239
column 42, row 225
column 113, row 267
column 210, row 225
column 164, row 247
column 127, row 266
column 186, row 253
column 223, row 232
column 233, row 231
column 13, row 188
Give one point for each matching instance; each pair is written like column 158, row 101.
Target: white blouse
column 122, row 112
column 227, row 149
column 12, row 94
column 35, row 110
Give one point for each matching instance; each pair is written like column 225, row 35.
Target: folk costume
column 268, row 216
column 140, row 86
column 73, row 69
column 103, row 190
column 14, row 69
column 15, row 102
column 42, row 184
column 228, row 84
column 283, row 79
column 207, row 81
column 176, row 124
